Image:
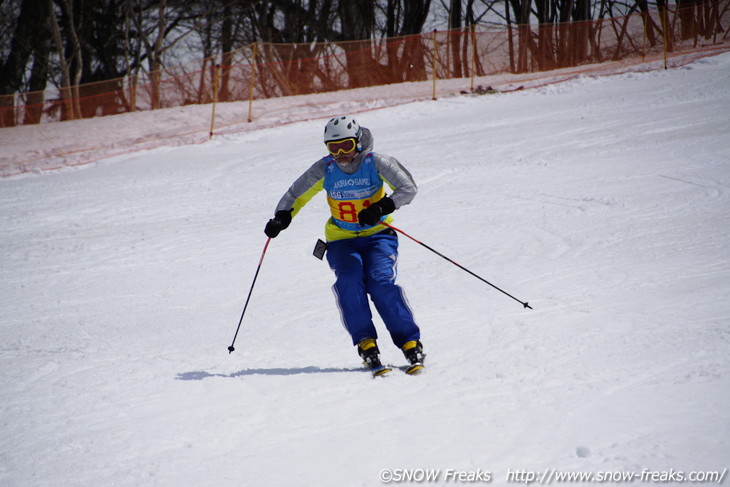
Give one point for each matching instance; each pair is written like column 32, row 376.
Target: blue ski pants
column 368, row 266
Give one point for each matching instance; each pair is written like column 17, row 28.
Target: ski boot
column 413, row 351
column 368, row 350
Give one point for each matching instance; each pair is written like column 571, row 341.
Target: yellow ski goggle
column 345, row 146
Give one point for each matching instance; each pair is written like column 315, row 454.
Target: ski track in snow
column 602, row 201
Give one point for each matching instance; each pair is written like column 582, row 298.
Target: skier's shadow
column 201, row 374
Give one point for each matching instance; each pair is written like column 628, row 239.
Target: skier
column 362, row 253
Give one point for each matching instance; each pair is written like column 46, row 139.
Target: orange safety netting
column 265, row 70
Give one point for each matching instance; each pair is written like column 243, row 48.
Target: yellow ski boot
column 413, row 351
column 368, row 350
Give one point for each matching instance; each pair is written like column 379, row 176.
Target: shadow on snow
column 201, row 374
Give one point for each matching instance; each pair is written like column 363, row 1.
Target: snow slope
column 604, row 202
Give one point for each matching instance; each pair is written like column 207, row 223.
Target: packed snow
column 604, row 202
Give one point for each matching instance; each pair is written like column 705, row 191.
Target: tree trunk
column 522, row 19
column 510, row 42
column 358, row 20
column 27, row 40
column 648, row 23
column 76, row 58
column 666, row 25
column 226, row 48
column 39, row 72
column 67, row 110
column 415, row 13
column 456, row 37
column 155, row 56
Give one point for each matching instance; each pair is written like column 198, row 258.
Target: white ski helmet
column 342, row 127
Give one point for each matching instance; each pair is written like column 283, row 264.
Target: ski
column 380, row 371
column 384, row 370
column 414, row 369
column 413, row 350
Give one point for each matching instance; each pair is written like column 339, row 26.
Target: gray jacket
column 391, row 171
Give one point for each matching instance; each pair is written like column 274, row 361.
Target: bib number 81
column 349, row 210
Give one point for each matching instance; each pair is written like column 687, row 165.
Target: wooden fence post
column 433, row 63
column 250, row 87
column 665, row 19
column 473, row 53
column 216, row 75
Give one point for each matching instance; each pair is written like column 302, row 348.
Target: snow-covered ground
column 604, row 202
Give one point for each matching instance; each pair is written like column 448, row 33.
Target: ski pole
column 231, row 348
column 525, row 304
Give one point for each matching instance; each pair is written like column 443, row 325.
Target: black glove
column 371, row 215
column 280, row 222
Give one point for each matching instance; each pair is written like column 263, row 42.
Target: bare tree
column 69, row 84
column 307, row 45
column 357, row 18
column 27, row 41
